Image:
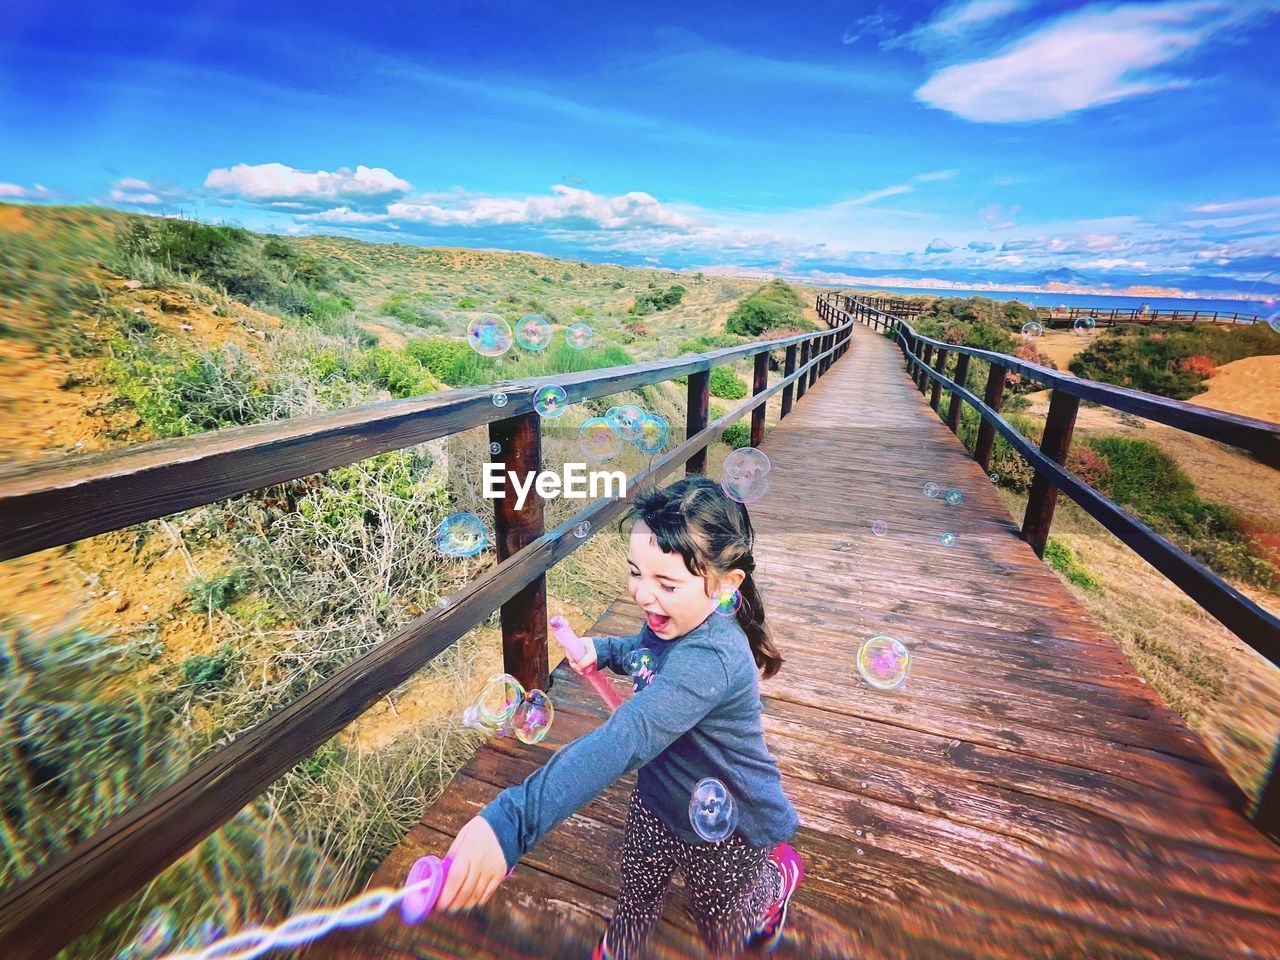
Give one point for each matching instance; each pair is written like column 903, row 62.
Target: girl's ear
column 733, row 579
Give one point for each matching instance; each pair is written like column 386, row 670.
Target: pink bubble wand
column 576, row 647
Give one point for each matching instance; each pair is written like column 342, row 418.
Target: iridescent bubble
column 947, row 539
column 995, row 478
column 639, row 661
column 1032, row 329
column 728, row 602
column 712, row 812
column 498, row 362
column 1084, row 326
column 1273, row 322
column 532, row 332
column 581, row 530
column 931, row 489
column 747, row 462
column 489, row 335
column 578, row 336
column 745, row 490
column 627, row 417
column 497, row 704
column 495, row 448
column 649, row 434
column 879, row 528
column 599, row 438
column 955, row 497
column 461, row 535
column 154, row 936
column 442, row 602
column 612, row 416
column 499, row 399
column 204, row 933
column 533, row 717
column 883, row 663
column 550, row 401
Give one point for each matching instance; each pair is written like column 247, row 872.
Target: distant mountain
column 1061, row 275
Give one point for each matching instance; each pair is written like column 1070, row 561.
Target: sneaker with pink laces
column 768, row 931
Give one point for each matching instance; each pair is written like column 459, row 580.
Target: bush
column 773, row 305
column 205, row 671
column 1200, row 365
column 724, row 383
column 1059, row 556
column 711, row 341
column 656, row 300
column 737, row 435
column 396, row 371
column 218, row 592
column 411, row 308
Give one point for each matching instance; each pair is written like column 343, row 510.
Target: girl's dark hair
column 696, row 519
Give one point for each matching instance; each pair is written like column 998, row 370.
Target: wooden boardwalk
column 1023, row 795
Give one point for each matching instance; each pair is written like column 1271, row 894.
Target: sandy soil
column 1250, row 387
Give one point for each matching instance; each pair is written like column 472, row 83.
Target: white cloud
column 898, row 188
column 629, row 210
column 1091, row 57
column 981, row 246
column 998, row 218
column 954, row 22
column 16, row 191
column 938, row 245
column 275, row 181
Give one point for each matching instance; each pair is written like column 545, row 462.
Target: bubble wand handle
column 576, row 647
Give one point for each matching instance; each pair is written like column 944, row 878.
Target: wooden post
column 1058, row 427
column 789, row 390
column 802, row 381
column 935, row 399
column 524, row 616
column 925, row 362
column 759, row 383
column 813, row 371
column 994, row 398
column 696, row 418
column 961, row 378
column 1266, row 815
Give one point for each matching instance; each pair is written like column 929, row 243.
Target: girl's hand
column 478, row 867
column 588, row 660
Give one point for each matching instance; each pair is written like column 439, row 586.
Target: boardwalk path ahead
column 1023, row 795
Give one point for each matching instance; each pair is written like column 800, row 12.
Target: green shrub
column 774, row 305
column 396, row 371
column 711, row 341
column 411, row 308
column 218, row 592
column 1059, row 556
column 737, row 435
column 448, row 359
column 204, row 670
column 656, row 300
column 726, row 384
column 466, row 303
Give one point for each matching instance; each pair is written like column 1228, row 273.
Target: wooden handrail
column 1256, row 626
column 66, row 897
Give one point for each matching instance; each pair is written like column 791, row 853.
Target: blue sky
column 981, row 140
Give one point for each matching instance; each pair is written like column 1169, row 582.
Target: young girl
column 695, row 715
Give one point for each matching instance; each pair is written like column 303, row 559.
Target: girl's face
column 674, row 600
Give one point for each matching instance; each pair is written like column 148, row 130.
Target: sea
column 1097, row 301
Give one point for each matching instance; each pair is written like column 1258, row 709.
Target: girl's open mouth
column 656, row 621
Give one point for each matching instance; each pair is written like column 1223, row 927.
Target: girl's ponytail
column 751, row 619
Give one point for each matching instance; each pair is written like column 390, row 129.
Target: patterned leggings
column 730, row 884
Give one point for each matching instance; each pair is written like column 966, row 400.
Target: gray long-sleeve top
column 698, row 717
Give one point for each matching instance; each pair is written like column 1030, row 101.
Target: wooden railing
column 57, row 502
column 1067, row 316
column 927, row 360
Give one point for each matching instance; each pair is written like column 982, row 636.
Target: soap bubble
column 955, row 497
column 498, row 702
column 995, row 478
column 154, row 936
column 461, row 535
column 650, row 433
column 747, row 462
column 612, row 416
column 533, row 717
column 204, row 933
column 879, row 528
column 1084, row 326
column 745, row 490
column 1144, row 309
column 712, row 811
column 1273, row 321
column 499, row 399
column 947, row 539
column 532, row 332
column 489, row 335
column 442, row 602
column 931, row 489
column 1032, row 329
column 639, row 661
column 599, row 438
column 578, row 336
column 581, row 530
column 728, row 601
column 550, row 401
column 495, row 448
column 883, row 663
column 628, row 416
